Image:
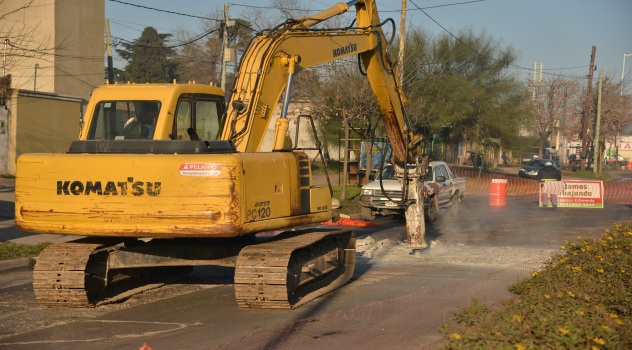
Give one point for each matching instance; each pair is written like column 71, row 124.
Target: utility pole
column 586, row 115
column 224, row 47
column 596, row 147
column 108, row 47
column 535, row 79
column 402, row 37
column 623, row 70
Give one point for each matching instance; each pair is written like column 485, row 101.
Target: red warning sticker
column 200, row 169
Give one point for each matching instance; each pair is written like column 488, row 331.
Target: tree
column 555, row 106
column 616, row 109
column 278, row 11
column 460, row 87
column 200, row 59
column 150, row 61
column 344, row 105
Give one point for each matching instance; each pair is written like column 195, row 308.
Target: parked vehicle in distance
column 448, row 192
column 530, row 170
column 547, row 153
column 621, row 162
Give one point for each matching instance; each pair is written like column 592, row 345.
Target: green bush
column 582, row 299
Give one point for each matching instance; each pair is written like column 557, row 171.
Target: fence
column 615, row 192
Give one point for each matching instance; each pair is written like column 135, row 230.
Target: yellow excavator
column 165, row 177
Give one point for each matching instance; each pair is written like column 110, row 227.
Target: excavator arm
column 267, row 67
column 274, row 56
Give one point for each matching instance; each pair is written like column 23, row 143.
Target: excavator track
column 287, row 273
column 59, row 276
column 75, row 275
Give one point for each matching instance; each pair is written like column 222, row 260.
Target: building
column 53, row 52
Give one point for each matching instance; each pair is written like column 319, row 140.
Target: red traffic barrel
column 498, row 192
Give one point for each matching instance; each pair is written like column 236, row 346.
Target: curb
column 17, row 263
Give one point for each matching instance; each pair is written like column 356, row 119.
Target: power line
column 40, row 75
column 172, row 46
column 272, row 8
column 165, row 11
column 566, row 68
column 245, row 26
column 75, row 77
column 437, row 6
column 476, row 52
column 120, row 21
column 43, row 52
column 398, row 11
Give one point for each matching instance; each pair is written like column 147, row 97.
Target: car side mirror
column 440, row 178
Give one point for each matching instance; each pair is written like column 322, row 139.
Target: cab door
column 198, row 117
column 445, row 187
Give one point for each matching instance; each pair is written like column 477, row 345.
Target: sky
column 558, row 33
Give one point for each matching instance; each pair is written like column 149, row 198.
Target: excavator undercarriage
column 283, row 272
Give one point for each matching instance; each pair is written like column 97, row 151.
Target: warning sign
column 200, row 169
column 575, row 193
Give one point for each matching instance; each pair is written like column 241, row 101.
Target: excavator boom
column 273, row 56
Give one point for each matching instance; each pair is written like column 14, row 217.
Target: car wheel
column 431, row 213
column 367, row 214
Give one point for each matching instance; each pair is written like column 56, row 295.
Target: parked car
column 621, row 162
column 530, row 170
column 446, row 189
column 547, row 153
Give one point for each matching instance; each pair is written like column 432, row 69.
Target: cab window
column 198, row 117
column 440, row 171
column 120, row 120
column 207, row 120
column 183, row 119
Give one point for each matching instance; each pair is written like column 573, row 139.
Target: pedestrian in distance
column 550, row 184
column 504, row 156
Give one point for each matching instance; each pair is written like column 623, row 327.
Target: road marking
column 175, row 327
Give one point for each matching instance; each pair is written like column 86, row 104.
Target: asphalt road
column 394, row 300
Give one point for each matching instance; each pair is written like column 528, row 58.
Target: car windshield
column 537, row 162
column 388, row 173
